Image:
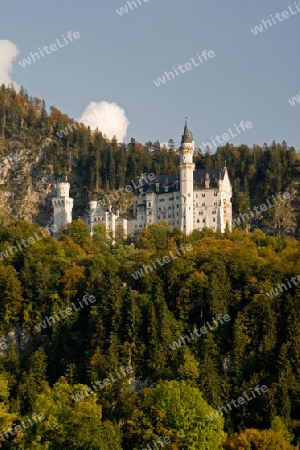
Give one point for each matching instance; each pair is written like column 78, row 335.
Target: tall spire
column 187, row 137
column 187, row 180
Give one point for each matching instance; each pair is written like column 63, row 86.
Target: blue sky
column 117, row 58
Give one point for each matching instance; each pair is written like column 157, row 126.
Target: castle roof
column 187, row 137
column 214, row 176
column 172, row 181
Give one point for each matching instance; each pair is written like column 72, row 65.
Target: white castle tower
column 62, row 205
column 187, row 181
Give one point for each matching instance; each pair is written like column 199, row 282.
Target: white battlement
column 63, row 189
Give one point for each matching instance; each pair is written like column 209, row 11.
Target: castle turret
column 63, row 189
column 187, row 180
column 93, row 205
column 62, row 206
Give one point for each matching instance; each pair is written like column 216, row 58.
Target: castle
column 190, row 200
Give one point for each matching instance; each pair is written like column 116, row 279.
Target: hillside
column 104, row 347
column 33, row 157
column 202, row 352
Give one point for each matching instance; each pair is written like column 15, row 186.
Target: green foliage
column 6, row 417
column 70, row 425
column 176, row 410
column 135, row 322
column 11, row 296
column 78, row 231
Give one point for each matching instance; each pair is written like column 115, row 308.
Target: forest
column 193, row 355
column 105, row 374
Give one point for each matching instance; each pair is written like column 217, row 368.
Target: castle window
column 149, row 203
column 203, row 220
column 215, row 203
column 203, row 195
column 198, row 220
column 189, row 194
column 177, row 197
column 141, row 226
column 171, row 198
column 196, row 195
column 214, row 219
column 203, row 204
column 215, row 194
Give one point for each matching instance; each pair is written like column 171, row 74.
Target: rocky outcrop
column 27, row 186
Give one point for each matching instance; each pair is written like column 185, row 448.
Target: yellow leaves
column 171, row 244
column 11, row 294
column 72, row 279
column 98, row 364
column 189, row 369
column 6, row 419
column 260, row 440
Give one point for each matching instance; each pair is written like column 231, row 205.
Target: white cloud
column 8, row 53
column 110, row 119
